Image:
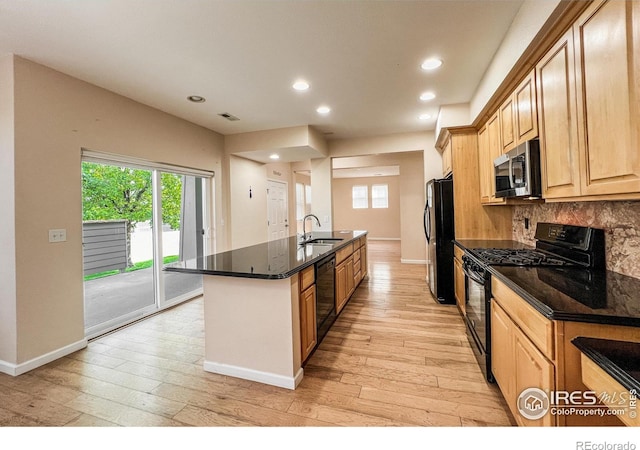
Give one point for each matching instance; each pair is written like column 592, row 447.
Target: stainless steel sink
column 323, row 241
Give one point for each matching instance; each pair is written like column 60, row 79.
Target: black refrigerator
column 439, row 231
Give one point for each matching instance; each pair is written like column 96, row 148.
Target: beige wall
column 7, row 217
column 55, row 116
column 321, row 180
column 380, row 223
column 529, row 20
column 248, row 214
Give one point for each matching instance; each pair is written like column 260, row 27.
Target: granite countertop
column 569, row 293
column 276, row 259
column 619, row 359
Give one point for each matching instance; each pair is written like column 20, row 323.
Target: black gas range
column 564, row 247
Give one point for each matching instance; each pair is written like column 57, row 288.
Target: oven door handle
column 473, row 275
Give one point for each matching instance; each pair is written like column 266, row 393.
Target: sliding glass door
column 183, row 235
column 117, row 240
column 135, row 221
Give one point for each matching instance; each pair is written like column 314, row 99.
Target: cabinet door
column 363, row 258
column 607, row 44
column 350, row 277
column 495, row 150
column 502, row 354
column 459, row 285
column 485, row 165
column 533, row 370
column 308, row 328
column 526, row 110
column 447, row 166
column 507, row 133
column 341, row 286
column 559, row 152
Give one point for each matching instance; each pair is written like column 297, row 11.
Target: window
column 307, row 196
column 380, row 196
column 360, row 197
column 300, row 203
column 303, row 200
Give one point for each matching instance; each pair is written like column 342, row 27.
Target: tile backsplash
column 620, row 220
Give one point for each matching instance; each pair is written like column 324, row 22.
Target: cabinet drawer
column 356, row 256
column 457, row 252
column 307, row 278
column 356, row 265
column 344, row 253
column 537, row 328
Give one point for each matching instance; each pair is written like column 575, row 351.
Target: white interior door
column 277, row 210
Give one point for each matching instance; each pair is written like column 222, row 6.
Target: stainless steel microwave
column 517, row 172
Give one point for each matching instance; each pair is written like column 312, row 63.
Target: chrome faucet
column 304, row 225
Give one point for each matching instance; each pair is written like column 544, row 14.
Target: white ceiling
column 362, row 58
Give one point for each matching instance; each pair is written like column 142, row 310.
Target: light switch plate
column 58, row 235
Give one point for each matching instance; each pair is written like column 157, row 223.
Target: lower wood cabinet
column 517, row 363
column 350, row 270
column 532, row 369
column 307, row 299
column 344, row 283
column 502, row 358
column 459, row 280
column 308, row 326
column 363, row 258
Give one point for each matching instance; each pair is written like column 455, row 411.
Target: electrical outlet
column 58, row 235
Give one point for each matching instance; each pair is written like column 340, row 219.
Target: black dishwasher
column 325, row 295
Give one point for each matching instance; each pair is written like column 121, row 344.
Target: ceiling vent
column 228, row 116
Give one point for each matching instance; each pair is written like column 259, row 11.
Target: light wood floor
column 394, row 357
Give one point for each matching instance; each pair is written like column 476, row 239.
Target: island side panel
column 252, row 329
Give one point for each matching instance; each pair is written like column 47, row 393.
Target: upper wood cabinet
column 489, row 148
column 484, row 158
column 526, row 110
column 589, row 105
column 559, row 153
column 473, row 220
column 607, row 43
column 506, row 115
column 519, row 115
column 447, row 166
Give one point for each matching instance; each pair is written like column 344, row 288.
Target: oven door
column 476, row 287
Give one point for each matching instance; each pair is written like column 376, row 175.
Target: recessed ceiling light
column 196, row 99
column 301, row 85
column 424, row 116
column 275, row 156
column 427, row 96
column 323, row 110
column 431, row 63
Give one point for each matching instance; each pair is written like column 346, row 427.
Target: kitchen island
column 252, row 303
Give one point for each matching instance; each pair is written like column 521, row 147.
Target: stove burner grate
column 519, row 257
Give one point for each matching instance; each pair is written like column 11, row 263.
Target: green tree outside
column 117, row 193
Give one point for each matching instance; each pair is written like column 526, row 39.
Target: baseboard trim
column 19, row 369
column 255, row 375
column 413, row 261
